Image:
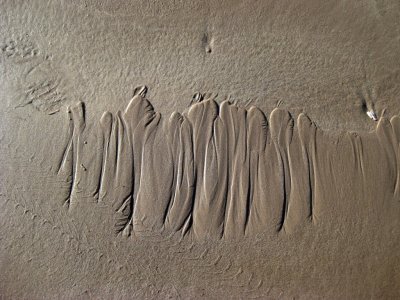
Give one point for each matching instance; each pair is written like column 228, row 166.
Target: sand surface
column 199, row 149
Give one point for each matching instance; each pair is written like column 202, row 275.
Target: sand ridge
column 223, row 171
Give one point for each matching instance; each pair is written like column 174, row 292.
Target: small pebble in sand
column 371, row 114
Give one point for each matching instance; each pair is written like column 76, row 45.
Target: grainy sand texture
column 200, row 149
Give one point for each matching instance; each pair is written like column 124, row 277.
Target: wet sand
column 272, row 181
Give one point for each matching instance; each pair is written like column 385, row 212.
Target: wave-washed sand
column 278, row 179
